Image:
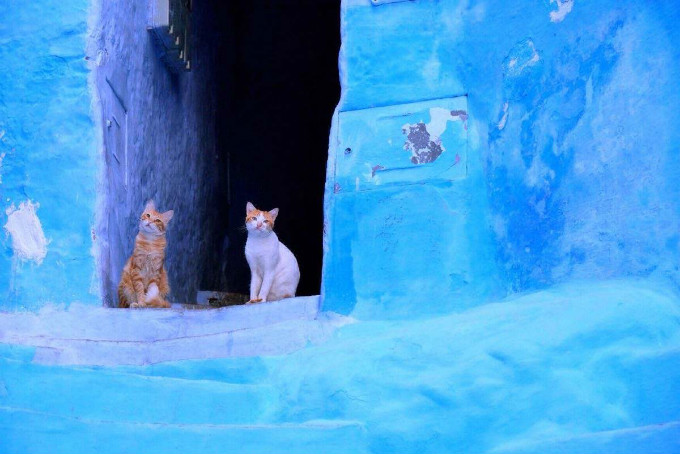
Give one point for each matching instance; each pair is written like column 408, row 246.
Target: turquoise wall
column 48, row 156
column 494, row 147
column 571, row 151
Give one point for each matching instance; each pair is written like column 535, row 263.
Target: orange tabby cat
column 144, row 282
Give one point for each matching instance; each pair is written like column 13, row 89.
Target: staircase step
column 112, row 395
column 652, row 439
column 275, row 339
column 30, row 432
column 264, row 329
column 245, row 370
column 90, row 324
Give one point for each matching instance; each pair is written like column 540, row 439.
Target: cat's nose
column 259, row 224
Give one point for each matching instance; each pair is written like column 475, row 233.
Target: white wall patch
column 504, row 118
column 28, row 239
column 563, row 8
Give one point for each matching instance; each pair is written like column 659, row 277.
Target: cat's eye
column 252, row 219
column 147, row 215
column 266, row 221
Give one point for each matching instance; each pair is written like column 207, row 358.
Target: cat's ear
column 274, row 213
column 167, row 216
column 250, row 207
column 150, row 206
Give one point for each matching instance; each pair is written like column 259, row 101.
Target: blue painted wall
column 57, row 155
column 49, row 157
column 566, row 170
column 572, row 151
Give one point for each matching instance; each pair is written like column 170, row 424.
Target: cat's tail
column 123, row 300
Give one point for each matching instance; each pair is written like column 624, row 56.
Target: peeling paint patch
column 504, row 118
column 423, row 140
column 3, row 139
column 422, row 146
column 459, row 113
column 563, row 8
column 522, row 56
column 28, row 239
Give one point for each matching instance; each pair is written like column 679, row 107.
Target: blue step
column 140, row 337
column 32, row 432
column 107, row 394
column 81, row 322
column 652, row 439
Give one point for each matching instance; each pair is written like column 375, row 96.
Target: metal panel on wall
column 402, row 144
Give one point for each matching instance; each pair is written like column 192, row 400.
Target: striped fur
column 144, row 282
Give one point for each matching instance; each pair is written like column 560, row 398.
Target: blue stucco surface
column 524, row 299
column 537, row 373
column 572, row 151
column 413, row 233
column 48, row 150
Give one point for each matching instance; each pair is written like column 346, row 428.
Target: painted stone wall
column 91, row 126
column 482, row 88
column 159, row 143
column 48, row 156
column 571, row 151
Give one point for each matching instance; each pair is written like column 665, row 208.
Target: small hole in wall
column 273, row 85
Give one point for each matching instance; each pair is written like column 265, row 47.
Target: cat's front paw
column 253, row 301
column 137, row 305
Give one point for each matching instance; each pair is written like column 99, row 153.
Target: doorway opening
column 248, row 122
column 277, row 86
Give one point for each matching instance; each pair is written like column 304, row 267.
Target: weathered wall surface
column 160, row 144
column 150, row 132
column 558, row 164
column 571, row 151
column 48, row 156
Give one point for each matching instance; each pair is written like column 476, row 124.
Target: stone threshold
column 107, row 336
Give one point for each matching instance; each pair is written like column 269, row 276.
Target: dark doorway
column 277, row 86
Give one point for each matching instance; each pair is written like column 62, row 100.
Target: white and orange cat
column 144, row 282
column 274, row 272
